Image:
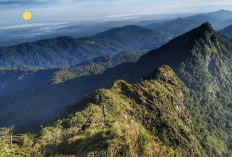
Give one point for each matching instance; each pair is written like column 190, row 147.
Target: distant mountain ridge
column 227, row 31
column 175, row 27
column 221, row 14
column 67, row 51
column 132, row 30
column 219, row 20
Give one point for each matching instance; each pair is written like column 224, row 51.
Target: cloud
column 34, row 25
column 113, row 16
column 20, row 2
column 27, row 2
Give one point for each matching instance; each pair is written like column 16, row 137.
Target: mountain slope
column 202, row 60
column 20, row 78
column 218, row 19
column 143, row 119
column 227, row 31
column 130, row 30
column 67, row 51
column 42, row 90
column 147, row 22
column 221, row 14
column 96, row 65
column 175, row 27
column 14, row 79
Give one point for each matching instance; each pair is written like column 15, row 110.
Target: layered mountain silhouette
column 221, row 14
column 67, row 51
column 219, row 20
column 201, row 58
column 227, row 31
column 175, row 27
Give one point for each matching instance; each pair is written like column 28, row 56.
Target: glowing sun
column 27, row 15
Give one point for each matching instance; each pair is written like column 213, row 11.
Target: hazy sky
column 101, row 10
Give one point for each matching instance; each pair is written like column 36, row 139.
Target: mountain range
column 67, row 51
column 14, row 35
column 219, row 20
column 175, row 27
column 201, row 59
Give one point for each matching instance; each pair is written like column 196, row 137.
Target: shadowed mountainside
column 21, row 78
column 227, row 31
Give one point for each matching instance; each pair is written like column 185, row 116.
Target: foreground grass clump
column 143, row 119
column 7, row 148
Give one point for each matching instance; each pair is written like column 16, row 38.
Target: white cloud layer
column 62, row 10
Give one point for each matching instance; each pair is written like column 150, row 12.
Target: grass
column 142, row 120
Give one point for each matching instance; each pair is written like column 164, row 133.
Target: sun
column 27, row 15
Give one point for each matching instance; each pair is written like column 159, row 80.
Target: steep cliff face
column 143, row 119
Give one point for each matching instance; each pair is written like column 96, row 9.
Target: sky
column 67, row 11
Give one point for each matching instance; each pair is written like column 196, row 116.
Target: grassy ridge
column 143, row 119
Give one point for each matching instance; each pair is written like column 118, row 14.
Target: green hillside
column 97, row 65
column 143, row 119
column 202, row 60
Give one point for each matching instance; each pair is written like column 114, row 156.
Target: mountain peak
column 221, row 14
column 223, row 10
column 179, row 18
column 181, row 43
column 204, row 29
column 206, row 25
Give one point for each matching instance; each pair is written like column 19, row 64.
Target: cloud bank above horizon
column 102, row 10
